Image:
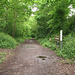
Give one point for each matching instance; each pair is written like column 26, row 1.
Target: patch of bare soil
column 31, row 58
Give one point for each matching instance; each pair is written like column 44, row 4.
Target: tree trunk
column 14, row 24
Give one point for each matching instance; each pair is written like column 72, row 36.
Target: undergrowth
column 7, row 41
column 46, row 43
column 19, row 39
column 2, row 56
column 68, row 50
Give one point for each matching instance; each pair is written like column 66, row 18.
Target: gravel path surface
column 31, row 58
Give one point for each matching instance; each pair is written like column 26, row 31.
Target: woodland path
column 31, row 58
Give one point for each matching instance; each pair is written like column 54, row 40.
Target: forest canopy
column 17, row 21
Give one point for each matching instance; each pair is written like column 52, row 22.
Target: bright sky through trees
column 72, row 10
column 34, row 9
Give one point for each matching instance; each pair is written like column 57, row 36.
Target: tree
column 14, row 13
column 52, row 16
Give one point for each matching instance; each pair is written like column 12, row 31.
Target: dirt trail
column 31, row 58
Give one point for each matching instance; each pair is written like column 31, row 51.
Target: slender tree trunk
column 6, row 20
column 14, row 24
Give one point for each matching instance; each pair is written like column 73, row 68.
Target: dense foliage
column 13, row 15
column 68, row 50
column 13, row 19
column 17, row 24
column 53, row 16
column 7, row 41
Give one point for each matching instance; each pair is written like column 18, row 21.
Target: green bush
column 7, row 41
column 20, row 40
column 46, row 43
column 28, row 37
column 68, row 50
column 42, row 41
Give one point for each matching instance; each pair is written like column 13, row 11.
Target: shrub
column 68, row 50
column 7, row 41
column 19, row 39
column 46, row 43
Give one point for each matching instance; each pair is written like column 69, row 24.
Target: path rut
column 31, row 58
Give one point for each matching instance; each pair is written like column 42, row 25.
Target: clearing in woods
column 31, row 58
